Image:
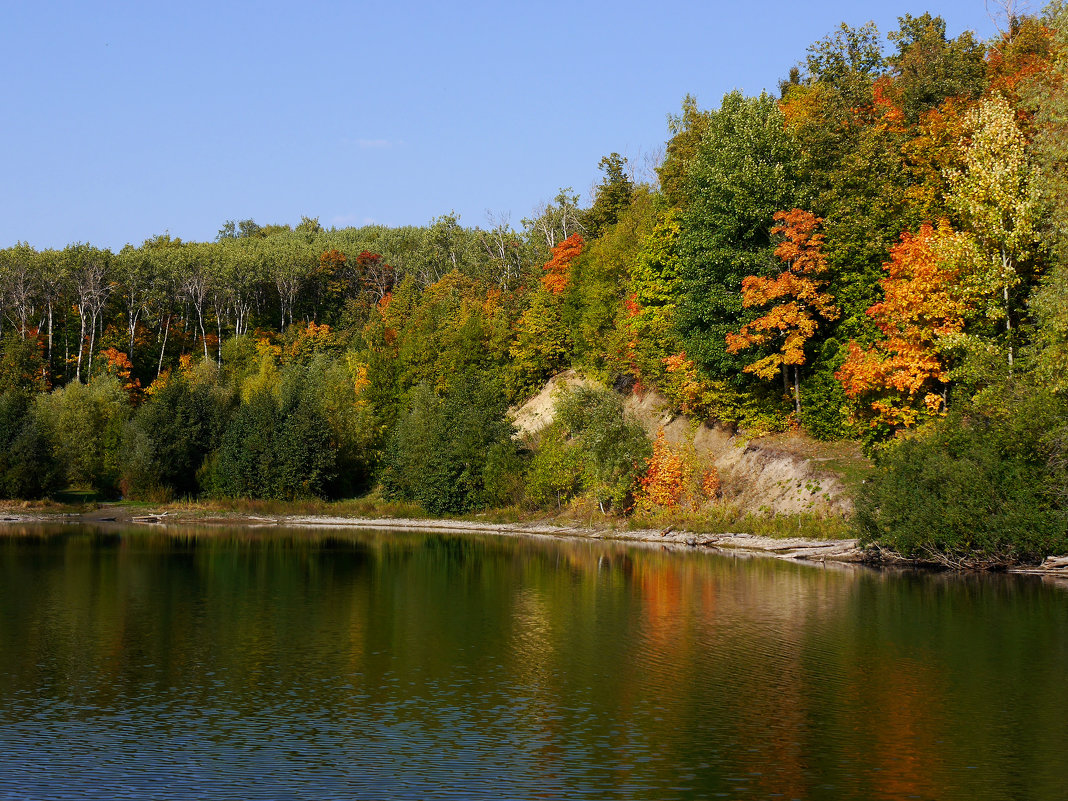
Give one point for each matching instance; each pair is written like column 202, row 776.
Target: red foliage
column 119, row 365
column 904, row 371
column 558, row 268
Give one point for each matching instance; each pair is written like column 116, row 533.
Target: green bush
column 276, row 446
column 825, row 407
column 171, row 435
column 27, row 466
column 555, row 474
column 84, row 424
column 453, row 453
column 614, row 448
column 975, row 486
column 305, row 452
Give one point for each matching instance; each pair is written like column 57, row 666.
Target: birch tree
column 89, row 270
column 992, row 194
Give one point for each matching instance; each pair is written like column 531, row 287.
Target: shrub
column 452, row 453
column 276, row 446
column 555, row 474
column 171, row 435
column 674, row 479
column 613, row 447
column 974, row 486
column 84, row 424
column 27, row 467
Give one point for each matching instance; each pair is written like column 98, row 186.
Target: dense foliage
column 878, row 252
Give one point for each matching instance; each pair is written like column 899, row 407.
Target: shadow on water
column 310, row 663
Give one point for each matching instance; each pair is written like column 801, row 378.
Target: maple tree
column 673, row 479
column 376, row 276
column 666, row 477
column 558, row 269
column 119, row 365
column 798, row 299
column 904, row 375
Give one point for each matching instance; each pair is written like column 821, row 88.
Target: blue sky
column 124, row 120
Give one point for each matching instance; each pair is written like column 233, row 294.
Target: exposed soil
column 777, row 475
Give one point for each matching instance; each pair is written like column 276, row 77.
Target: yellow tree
column 542, row 343
column 796, row 298
column 992, row 194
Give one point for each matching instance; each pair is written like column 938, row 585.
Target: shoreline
column 787, row 548
column 796, row 549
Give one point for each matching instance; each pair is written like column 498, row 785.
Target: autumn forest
column 876, row 252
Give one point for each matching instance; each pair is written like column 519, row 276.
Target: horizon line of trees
column 875, row 253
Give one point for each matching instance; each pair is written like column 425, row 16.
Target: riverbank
column 793, row 548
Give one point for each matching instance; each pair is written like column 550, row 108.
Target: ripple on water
column 438, row 667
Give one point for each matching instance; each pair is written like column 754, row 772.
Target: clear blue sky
column 123, row 120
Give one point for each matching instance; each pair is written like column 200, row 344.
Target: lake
column 307, row 664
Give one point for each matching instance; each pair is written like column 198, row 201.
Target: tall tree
column 612, row 198
column 849, row 60
column 745, row 171
column 19, row 273
column 90, row 275
column 928, row 68
column 556, row 221
column 194, row 275
column 687, row 129
column 992, row 195
column 797, row 299
column 903, row 376
column 138, row 282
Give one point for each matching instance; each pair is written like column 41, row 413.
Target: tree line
column 876, row 252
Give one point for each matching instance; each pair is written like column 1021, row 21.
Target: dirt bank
column 777, row 475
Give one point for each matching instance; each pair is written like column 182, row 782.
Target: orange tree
column 795, row 297
column 542, row 344
column 903, row 376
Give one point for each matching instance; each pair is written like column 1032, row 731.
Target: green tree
column 84, row 425
column 172, row 434
column 613, row 446
column 928, row 67
column 977, row 487
column 849, row 60
column 612, row 198
column 687, row 129
column 446, row 449
column 745, row 171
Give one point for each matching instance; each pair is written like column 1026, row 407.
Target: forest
column 877, row 252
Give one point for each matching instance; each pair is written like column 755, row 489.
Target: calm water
column 297, row 664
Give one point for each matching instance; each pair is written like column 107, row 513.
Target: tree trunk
column 203, row 333
column 66, row 345
column 49, row 338
column 92, row 344
column 1008, row 323
column 166, row 330
column 218, row 327
column 797, row 390
column 81, row 346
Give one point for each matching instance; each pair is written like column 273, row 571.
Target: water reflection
column 237, row 663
